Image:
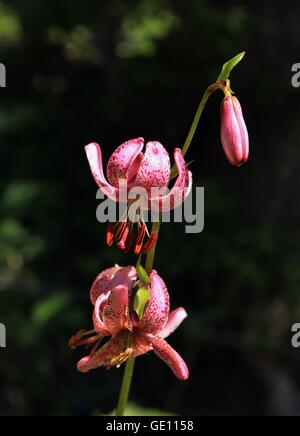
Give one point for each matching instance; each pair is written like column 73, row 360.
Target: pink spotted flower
column 129, row 335
column 131, row 168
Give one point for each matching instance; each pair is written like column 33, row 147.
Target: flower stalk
column 129, row 366
column 150, row 258
column 125, row 388
column 223, row 86
column 151, row 255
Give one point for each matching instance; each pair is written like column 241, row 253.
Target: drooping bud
column 234, row 134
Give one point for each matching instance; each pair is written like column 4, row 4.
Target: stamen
column 88, row 341
column 121, row 227
column 122, row 243
column 118, row 360
column 141, row 232
column 110, row 234
column 142, row 222
column 131, row 234
column 150, row 243
column 81, row 339
column 130, row 239
column 95, row 347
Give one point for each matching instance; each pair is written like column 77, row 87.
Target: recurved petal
column 112, row 278
column 140, row 343
column 98, row 322
column 126, row 276
column 102, row 283
column 124, row 162
column 94, row 156
column 175, row 319
column 116, row 311
column 180, row 190
column 157, row 308
column 116, row 351
column 155, row 168
column 170, row 357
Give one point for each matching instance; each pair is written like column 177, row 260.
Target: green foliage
column 78, row 44
column 49, row 308
column 10, row 27
column 144, row 27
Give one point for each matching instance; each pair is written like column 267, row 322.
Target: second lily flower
column 132, row 333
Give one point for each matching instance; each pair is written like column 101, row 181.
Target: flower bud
column 234, row 134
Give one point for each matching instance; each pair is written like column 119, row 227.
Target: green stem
column 125, row 389
column 196, row 120
column 209, row 91
column 223, row 86
column 151, row 255
column 129, row 367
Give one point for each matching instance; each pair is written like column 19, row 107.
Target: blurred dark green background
column 111, row 70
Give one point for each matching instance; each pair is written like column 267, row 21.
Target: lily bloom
column 130, row 169
column 234, row 134
column 131, row 335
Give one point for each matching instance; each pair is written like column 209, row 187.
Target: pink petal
column 141, row 344
column 112, row 278
column 116, row 312
column 180, row 190
column 94, row 156
column 157, row 309
column 155, row 168
column 175, row 319
column 170, row 357
column 243, row 129
column 103, row 283
column 234, row 134
column 99, row 325
column 116, row 351
column 124, row 162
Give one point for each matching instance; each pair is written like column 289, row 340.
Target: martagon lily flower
column 130, row 168
column 131, row 334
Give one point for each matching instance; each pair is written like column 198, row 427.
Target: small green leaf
column 229, row 66
column 142, row 274
column 140, row 301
